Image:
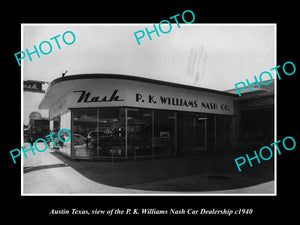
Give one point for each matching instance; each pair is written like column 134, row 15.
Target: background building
column 38, row 126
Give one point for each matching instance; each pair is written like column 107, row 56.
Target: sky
column 214, row 56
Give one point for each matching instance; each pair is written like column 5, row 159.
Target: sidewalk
column 51, row 173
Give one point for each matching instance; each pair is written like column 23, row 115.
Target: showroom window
column 99, row 132
column 84, row 127
column 106, row 133
column 139, row 132
column 164, row 132
column 65, row 123
column 192, row 132
column 111, row 132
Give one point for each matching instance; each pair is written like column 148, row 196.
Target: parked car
column 78, row 139
column 107, row 143
column 57, row 142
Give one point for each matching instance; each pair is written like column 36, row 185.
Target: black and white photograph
column 137, row 112
column 148, row 109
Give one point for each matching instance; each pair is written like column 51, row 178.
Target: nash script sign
column 33, row 86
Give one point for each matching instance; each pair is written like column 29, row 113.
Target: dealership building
column 120, row 117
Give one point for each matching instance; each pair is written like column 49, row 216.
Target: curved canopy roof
column 63, row 85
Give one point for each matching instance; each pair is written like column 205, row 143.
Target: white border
column 22, row 114
column 155, row 194
column 275, row 113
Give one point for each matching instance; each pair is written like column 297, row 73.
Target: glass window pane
column 164, row 132
column 191, row 132
column 224, row 133
column 65, row 123
column 111, row 133
column 196, row 129
column 84, row 126
column 211, row 136
column 139, row 129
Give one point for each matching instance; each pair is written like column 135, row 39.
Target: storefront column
column 236, row 125
column 175, row 132
column 152, row 134
column 215, row 134
column 126, row 132
column 205, row 132
column 72, row 131
column 98, row 118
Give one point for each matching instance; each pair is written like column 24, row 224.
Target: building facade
column 120, row 117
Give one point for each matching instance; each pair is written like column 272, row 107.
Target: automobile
column 92, row 138
column 78, row 139
column 56, row 141
column 107, row 143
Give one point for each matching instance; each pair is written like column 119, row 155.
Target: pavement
column 50, row 173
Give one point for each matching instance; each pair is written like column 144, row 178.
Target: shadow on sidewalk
column 34, row 168
column 207, row 172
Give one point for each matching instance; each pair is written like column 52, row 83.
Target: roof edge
column 134, row 78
